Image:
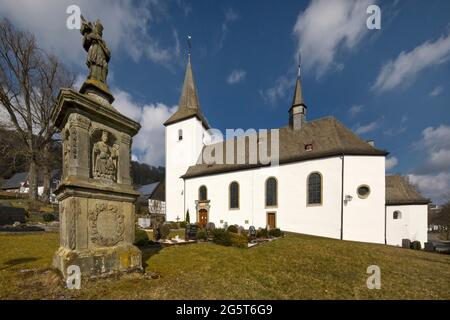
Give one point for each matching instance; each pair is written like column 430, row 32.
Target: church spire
column 189, row 105
column 297, row 112
column 189, row 97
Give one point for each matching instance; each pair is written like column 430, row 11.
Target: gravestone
column 429, row 246
column 96, row 196
column 191, row 232
column 252, row 232
column 406, row 243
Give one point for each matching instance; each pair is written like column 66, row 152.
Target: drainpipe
column 385, row 223
column 342, row 198
column 184, row 199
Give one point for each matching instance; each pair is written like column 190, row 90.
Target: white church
column 329, row 182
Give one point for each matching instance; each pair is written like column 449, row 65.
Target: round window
column 363, row 191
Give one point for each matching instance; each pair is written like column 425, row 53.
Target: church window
column 180, row 135
column 397, row 215
column 315, row 188
column 363, row 191
column 271, row 192
column 234, row 195
column 202, row 193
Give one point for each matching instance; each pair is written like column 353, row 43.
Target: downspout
column 385, row 224
column 342, row 198
column 184, row 199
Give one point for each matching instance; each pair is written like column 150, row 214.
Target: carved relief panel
column 104, row 155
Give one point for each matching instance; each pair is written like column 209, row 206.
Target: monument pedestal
column 96, row 196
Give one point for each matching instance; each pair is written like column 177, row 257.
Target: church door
column 203, row 217
column 271, row 221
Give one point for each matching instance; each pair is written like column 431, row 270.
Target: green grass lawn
column 295, row 267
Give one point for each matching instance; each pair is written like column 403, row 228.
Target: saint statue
column 98, row 53
column 105, row 158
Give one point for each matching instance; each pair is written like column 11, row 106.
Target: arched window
column 180, row 135
column 271, row 192
column 397, row 215
column 234, row 195
column 315, row 188
column 202, row 193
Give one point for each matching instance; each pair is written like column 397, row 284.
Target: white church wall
column 364, row 217
column 292, row 212
column 412, row 224
column 180, row 154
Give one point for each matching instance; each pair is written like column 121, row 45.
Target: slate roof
column 147, row 190
column 189, row 105
column 400, row 192
column 328, row 137
column 15, row 181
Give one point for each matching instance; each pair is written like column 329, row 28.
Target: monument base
column 101, row 261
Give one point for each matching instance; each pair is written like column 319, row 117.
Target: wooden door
column 271, row 221
column 203, row 217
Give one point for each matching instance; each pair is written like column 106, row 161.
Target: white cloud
column 149, row 143
column 391, row 162
column 355, row 110
column 436, row 91
column 405, row 68
column 433, row 186
column 127, row 27
column 236, row 76
column 362, row 129
column 326, row 28
column 278, row 91
column 433, row 175
column 230, row 16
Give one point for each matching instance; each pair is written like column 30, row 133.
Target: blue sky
column 390, row 85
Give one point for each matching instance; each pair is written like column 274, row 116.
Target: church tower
column 297, row 112
column 185, row 133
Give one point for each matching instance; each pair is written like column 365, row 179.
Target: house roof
column 328, row 137
column 15, row 181
column 189, row 105
column 147, row 190
column 400, row 192
column 155, row 191
column 20, row 177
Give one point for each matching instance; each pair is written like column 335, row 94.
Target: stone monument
column 96, row 195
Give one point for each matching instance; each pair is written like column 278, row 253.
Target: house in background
column 19, row 184
column 153, row 196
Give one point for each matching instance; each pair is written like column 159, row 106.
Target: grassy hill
column 295, row 267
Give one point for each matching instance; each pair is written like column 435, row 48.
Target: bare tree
column 30, row 80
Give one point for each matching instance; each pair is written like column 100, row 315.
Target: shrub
column 202, row 235
column 275, row 232
column 48, row 217
column 233, row 229
column 165, row 230
column 183, row 224
column 188, row 219
column 172, row 224
column 239, row 240
column 262, row 233
column 141, row 237
column 416, row 245
column 222, row 237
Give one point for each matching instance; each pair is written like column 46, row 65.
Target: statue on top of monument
column 105, row 158
column 98, row 52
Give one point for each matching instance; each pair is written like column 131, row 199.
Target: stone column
column 96, row 195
